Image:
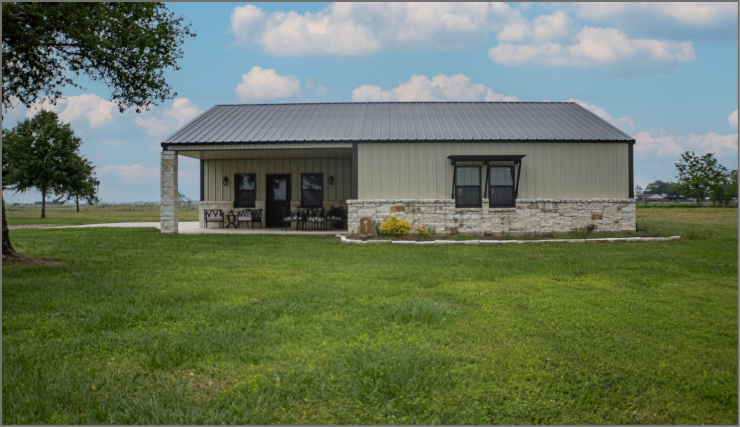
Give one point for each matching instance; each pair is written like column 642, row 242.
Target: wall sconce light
column 226, row 180
column 331, row 180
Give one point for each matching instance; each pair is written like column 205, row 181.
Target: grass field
column 68, row 215
column 137, row 327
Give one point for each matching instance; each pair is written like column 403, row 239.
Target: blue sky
column 665, row 73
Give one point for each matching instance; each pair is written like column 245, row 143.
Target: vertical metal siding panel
column 261, row 178
column 624, row 170
column 206, row 180
column 432, row 170
column 361, row 170
column 556, row 170
column 444, row 179
column 324, row 166
column 293, row 171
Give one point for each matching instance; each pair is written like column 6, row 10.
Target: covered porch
column 271, row 179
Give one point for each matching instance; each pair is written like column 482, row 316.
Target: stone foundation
column 529, row 216
column 259, row 204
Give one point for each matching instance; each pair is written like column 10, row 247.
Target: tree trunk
column 78, row 203
column 8, row 250
column 43, row 204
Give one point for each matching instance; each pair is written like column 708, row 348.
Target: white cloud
column 732, row 118
column 696, row 13
column 595, row 47
column 543, row 28
column 160, row 124
column 440, row 88
column 96, row 109
column 154, row 126
column 182, row 111
column 259, row 84
column 700, row 21
column 135, row 174
column 722, row 146
column 623, row 123
column 362, row 28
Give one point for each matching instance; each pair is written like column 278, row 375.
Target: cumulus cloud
column 625, row 123
column 542, row 28
column 722, row 146
column 687, row 20
column 134, row 175
column 732, row 118
column 595, row 47
column 362, row 28
column 160, row 124
column 96, row 109
column 259, row 84
column 440, row 88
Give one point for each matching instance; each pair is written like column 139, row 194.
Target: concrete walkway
column 191, row 227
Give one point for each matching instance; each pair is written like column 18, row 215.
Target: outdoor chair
column 316, row 217
column 333, row 219
column 249, row 216
column 214, row 216
column 290, row 217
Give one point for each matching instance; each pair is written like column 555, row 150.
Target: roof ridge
column 401, row 102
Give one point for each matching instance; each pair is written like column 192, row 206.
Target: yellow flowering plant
column 396, row 227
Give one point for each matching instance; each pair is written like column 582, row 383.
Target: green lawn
column 138, row 327
column 68, row 215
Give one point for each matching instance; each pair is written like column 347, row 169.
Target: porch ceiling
column 302, row 153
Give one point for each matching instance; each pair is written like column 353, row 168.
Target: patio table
column 231, row 219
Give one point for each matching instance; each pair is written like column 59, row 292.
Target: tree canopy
column 660, row 187
column 127, row 46
column 699, row 175
column 42, row 154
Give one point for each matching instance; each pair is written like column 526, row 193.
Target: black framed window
column 467, row 187
column 312, row 189
column 501, row 189
column 245, row 190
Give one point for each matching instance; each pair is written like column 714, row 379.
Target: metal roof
column 397, row 121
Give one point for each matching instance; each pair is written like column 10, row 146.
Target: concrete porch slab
column 191, row 227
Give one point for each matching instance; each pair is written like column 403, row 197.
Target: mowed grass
column 68, row 215
column 141, row 328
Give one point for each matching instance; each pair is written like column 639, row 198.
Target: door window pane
column 280, row 189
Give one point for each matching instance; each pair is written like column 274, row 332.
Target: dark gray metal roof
column 392, row 121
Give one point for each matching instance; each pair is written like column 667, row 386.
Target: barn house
column 461, row 167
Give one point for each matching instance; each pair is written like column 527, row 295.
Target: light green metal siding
column 214, row 172
column 568, row 170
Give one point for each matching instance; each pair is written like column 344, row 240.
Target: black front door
column 278, row 197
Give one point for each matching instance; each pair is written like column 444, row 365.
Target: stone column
column 168, row 191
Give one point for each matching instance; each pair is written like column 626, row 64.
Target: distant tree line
column 699, row 177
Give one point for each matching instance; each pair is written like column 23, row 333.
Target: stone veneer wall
column 259, row 204
column 168, row 204
column 529, row 216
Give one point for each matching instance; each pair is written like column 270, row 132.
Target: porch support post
column 168, row 193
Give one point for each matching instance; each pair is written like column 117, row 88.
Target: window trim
column 512, row 186
column 456, row 186
column 236, row 188
column 321, row 204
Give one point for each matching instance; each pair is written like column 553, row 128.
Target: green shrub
column 422, row 231
column 395, row 227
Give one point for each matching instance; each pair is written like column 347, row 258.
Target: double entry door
column 278, row 197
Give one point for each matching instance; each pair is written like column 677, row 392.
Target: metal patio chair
column 214, row 216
